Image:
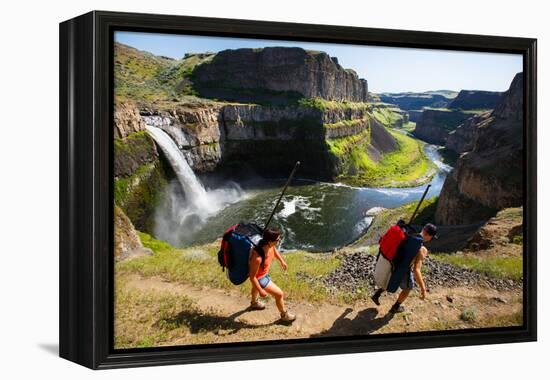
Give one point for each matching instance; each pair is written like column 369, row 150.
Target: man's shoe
column 397, row 309
column 287, row 317
column 257, row 305
column 376, row 299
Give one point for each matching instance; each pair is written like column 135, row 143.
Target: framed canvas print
column 236, row 189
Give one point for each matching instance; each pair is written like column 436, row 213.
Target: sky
column 387, row 69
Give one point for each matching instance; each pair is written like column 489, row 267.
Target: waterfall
column 190, row 184
column 177, row 220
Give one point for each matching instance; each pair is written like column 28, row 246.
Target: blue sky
column 386, row 69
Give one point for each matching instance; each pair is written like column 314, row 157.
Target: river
column 314, row 216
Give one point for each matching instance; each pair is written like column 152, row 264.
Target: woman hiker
column 259, row 274
column 407, row 283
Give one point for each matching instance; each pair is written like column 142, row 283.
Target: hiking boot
column 396, row 308
column 257, row 305
column 287, row 317
column 376, row 296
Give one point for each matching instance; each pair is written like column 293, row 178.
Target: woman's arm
column 279, row 257
column 254, row 264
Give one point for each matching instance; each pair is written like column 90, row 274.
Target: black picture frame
column 86, row 193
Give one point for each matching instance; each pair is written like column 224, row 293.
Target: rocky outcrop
column 267, row 137
column 274, row 138
column 490, row 176
column 417, row 100
column 435, row 125
column 414, row 115
column 127, row 242
column 253, row 122
column 472, row 100
column 505, row 228
column 132, row 152
column 510, row 106
column 195, row 129
column 269, row 140
column 127, row 120
column 462, row 138
column 140, row 173
column 454, row 207
column 276, row 74
column 381, row 140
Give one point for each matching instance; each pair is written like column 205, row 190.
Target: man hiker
column 259, row 274
column 408, row 277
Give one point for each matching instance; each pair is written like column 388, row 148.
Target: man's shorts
column 408, row 281
column 264, row 281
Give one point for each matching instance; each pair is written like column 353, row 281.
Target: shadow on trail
column 199, row 321
column 365, row 322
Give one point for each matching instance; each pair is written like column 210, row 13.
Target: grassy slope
column 409, row 126
column 136, row 72
column 403, row 167
column 199, row 266
column 502, row 260
column 505, row 267
column 144, row 77
column 387, row 116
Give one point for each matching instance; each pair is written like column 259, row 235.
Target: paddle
column 419, row 203
column 282, row 193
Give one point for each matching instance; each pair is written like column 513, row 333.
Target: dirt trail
column 441, row 310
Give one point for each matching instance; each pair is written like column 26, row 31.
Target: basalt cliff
column 489, row 173
column 276, row 74
column 436, row 125
column 471, row 100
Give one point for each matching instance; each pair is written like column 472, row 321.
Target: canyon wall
column 489, row 177
column 434, row 125
column 463, row 137
column 472, row 100
column 275, row 73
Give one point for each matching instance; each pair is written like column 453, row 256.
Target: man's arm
column 417, row 270
column 255, row 262
column 279, row 257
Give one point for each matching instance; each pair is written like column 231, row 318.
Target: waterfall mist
column 187, row 204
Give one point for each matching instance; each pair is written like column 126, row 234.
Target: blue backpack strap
column 403, row 259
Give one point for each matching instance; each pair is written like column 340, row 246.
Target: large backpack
column 392, row 239
column 237, row 242
column 403, row 260
column 389, row 254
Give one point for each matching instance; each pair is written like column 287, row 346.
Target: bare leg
column 278, row 294
column 403, row 295
column 254, row 294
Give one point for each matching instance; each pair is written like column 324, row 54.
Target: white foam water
column 363, row 224
column 374, row 211
column 199, row 203
column 298, row 203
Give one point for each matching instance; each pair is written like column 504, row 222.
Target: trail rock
column 357, row 271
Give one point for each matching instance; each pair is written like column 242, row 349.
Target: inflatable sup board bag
column 382, row 272
column 236, row 246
